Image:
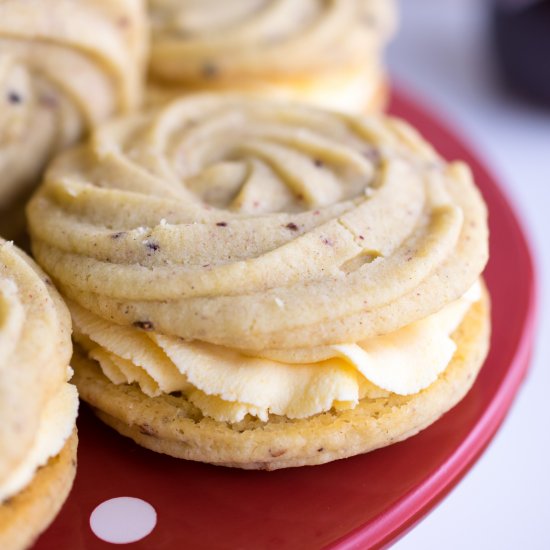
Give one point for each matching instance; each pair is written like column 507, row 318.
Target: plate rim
column 415, row 505
column 411, row 507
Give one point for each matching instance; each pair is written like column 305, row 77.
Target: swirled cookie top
column 89, row 50
column 197, row 40
column 35, row 349
column 65, row 66
column 259, row 225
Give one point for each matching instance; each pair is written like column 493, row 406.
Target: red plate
column 362, row 502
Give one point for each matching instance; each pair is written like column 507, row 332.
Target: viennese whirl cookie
column 37, row 406
column 266, row 284
column 325, row 52
column 64, row 67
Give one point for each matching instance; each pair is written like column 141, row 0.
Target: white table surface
column 442, row 54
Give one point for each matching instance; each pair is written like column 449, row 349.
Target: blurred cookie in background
column 64, row 67
column 325, row 52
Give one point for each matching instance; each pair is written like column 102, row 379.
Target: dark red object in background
column 362, row 502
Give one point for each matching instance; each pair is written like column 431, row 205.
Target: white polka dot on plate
column 123, row 520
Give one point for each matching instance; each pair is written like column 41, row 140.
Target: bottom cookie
column 170, row 424
column 27, row 514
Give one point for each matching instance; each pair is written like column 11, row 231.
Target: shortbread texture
column 235, row 263
column 31, row 511
column 35, row 351
column 65, row 66
column 327, row 52
column 259, row 225
column 37, row 405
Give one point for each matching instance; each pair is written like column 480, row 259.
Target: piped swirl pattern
column 35, row 349
column 323, row 52
column 64, row 67
column 259, row 225
column 253, row 36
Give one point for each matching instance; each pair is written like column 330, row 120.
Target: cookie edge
column 30, row 512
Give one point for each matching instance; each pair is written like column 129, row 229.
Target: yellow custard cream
column 56, row 425
column 227, row 385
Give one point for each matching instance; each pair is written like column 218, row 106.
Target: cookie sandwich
column 326, row 52
column 65, row 66
column 38, row 407
column 260, row 284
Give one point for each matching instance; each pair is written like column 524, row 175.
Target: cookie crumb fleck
column 278, row 453
column 49, row 101
column 14, row 98
column 152, row 245
column 319, row 163
column 210, row 70
column 71, row 191
column 373, row 155
column 145, row 429
column 144, row 325
column 292, row 226
column 222, row 224
column 123, row 22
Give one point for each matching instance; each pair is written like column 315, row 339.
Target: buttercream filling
column 227, row 385
column 56, row 425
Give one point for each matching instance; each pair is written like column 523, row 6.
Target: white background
column 443, row 55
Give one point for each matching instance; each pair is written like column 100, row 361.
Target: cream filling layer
column 56, row 425
column 227, row 385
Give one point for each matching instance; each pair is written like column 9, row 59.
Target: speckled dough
column 171, row 425
column 325, row 52
column 35, row 350
column 31, row 511
column 264, row 227
column 65, row 66
column 258, row 224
